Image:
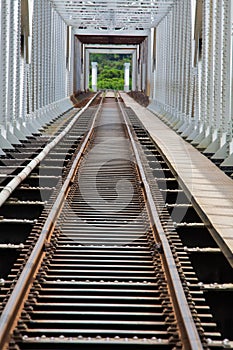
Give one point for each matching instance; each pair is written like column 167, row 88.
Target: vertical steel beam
column 218, row 63
column 134, row 71
column 126, row 76
column 224, row 122
column 228, row 86
column 94, row 76
column 20, row 97
column 4, row 64
column 85, row 65
column 148, row 65
column 226, row 59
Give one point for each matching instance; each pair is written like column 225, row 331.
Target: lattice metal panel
column 119, row 15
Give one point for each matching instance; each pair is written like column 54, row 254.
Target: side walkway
column 208, row 187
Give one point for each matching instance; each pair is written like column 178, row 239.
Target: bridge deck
column 205, row 183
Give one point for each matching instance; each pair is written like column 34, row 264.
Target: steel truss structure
column 119, row 15
column 193, row 74
column 36, row 74
column 183, row 62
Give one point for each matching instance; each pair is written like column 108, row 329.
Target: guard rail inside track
column 101, row 247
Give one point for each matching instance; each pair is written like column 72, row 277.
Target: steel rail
column 16, row 181
column 16, row 299
column 186, row 325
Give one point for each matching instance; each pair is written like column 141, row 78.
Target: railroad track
column 108, row 264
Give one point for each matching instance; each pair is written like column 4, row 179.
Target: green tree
column 110, row 70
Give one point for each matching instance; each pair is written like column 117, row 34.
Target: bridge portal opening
column 113, row 71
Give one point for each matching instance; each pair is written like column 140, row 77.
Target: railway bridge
column 116, row 207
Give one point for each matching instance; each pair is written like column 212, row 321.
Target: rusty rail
column 188, row 329
column 189, row 335
column 14, row 183
column 16, row 299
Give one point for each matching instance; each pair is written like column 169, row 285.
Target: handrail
column 189, row 333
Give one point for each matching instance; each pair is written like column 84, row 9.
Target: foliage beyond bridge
column 110, row 70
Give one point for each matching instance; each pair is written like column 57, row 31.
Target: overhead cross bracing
column 119, row 15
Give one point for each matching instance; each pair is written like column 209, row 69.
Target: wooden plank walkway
column 208, row 187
